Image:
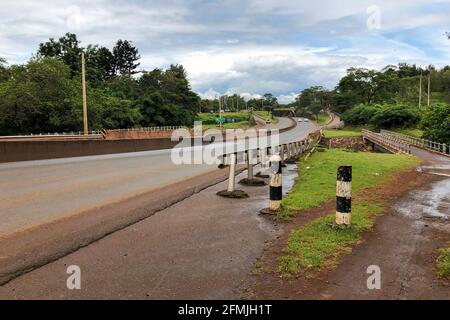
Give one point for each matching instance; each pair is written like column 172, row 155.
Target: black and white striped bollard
column 276, row 189
column 344, row 196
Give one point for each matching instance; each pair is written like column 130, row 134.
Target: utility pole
column 220, row 111
column 420, row 90
column 429, row 89
column 83, row 80
column 237, row 101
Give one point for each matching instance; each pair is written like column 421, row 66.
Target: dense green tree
column 38, row 97
column 360, row 114
column 126, row 57
column 67, row 48
column 436, row 123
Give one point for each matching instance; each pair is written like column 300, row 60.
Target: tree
column 39, row 97
column 126, row 57
column 436, row 123
column 270, row 100
column 100, row 64
column 396, row 115
column 67, row 48
column 3, row 70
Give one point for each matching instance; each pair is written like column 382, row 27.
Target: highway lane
column 37, row 192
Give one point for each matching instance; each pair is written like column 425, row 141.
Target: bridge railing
column 160, row 128
column 390, row 142
column 55, row 135
column 420, row 143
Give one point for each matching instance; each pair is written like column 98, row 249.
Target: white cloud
column 257, row 46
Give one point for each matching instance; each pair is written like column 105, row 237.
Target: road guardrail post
column 251, row 180
column 231, row 192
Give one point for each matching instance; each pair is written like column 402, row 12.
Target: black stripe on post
column 276, row 193
column 343, row 205
column 344, row 173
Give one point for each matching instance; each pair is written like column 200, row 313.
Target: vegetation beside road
column 318, row 245
column 264, row 114
column 443, row 262
column 341, row 133
column 317, row 176
column 241, row 120
column 323, row 118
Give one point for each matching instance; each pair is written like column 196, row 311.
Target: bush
column 436, row 123
column 397, row 115
column 360, row 114
column 382, row 115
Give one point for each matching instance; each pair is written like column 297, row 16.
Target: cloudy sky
column 247, row 47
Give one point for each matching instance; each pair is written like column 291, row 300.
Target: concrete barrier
column 12, row 151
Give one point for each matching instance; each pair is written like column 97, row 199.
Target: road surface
column 38, row 192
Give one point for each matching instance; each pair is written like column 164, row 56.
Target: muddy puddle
column 433, row 202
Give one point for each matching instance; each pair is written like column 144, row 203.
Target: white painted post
column 232, row 172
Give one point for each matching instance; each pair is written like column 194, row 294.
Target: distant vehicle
column 300, row 120
column 306, row 120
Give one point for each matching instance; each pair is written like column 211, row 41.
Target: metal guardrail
column 54, row 136
column 162, row 128
column 441, row 148
column 387, row 141
column 285, row 150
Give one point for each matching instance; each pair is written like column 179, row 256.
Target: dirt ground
column 403, row 243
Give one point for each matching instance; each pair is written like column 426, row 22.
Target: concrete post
column 288, row 151
column 232, row 173
column 344, row 196
column 250, row 164
column 251, row 180
column 231, row 192
column 276, row 189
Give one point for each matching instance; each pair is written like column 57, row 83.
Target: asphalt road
column 37, row 192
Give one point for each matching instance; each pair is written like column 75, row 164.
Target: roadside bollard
column 276, row 189
column 344, row 196
column 231, row 192
column 251, row 180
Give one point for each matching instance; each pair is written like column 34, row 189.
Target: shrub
column 436, row 123
column 397, row 115
column 360, row 114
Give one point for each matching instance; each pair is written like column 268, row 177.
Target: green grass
column 340, row 133
column 347, row 131
column 319, row 244
column 323, row 118
column 234, row 125
column 410, row 131
column 317, row 176
column 264, row 114
column 209, row 120
column 443, row 262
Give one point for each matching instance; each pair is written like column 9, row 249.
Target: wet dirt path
column 403, row 245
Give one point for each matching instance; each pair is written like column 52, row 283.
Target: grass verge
column 318, row 244
column 317, row 176
column 340, row 133
column 411, row 131
column 443, row 262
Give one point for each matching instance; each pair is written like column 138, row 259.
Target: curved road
column 37, row 192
